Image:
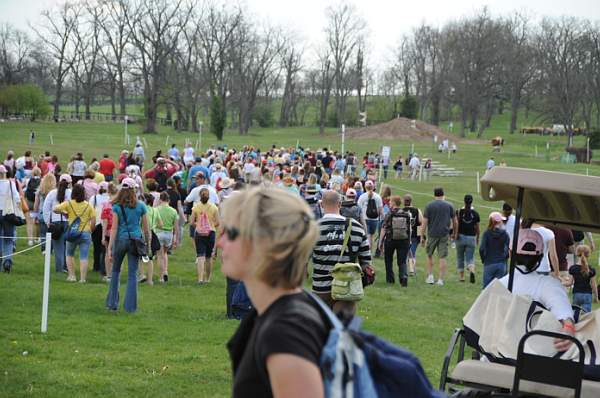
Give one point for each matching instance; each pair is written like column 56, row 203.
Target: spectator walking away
column 372, row 206
column 277, row 347
column 585, row 288
column 205, row 221
column 467, row 239
column 417, row 217
column 57, row 223
column 565, row 245
column 107, row 168
column 129, row 222
column 351, row 209
column 494, row 249
column 77, row 168
column 81, row 219
column 398, row 167
column 414, row 166
column 438, row 216
column 490, row 163
column 167, row 233
column 9, row 200
column 98, row 201
column 31, row 188
column 326, row 253
column 47, row 184
column 396, row 237
column 509, row 223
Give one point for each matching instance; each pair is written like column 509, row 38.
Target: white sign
column 385, row 151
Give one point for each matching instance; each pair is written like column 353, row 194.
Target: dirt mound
column 401, row 128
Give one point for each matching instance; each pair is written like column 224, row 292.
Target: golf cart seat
column 499, row 379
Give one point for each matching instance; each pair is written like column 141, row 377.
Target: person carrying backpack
column 467, row 239
column 372, row 204
column 205, row 221
column 396, row 236
column 350, row 209
column 31, row 189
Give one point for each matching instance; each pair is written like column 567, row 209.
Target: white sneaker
column 440, row 282
column 29, row 243
column 71, row 278
column 429, row 279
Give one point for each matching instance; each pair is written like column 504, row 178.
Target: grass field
column 175, row 344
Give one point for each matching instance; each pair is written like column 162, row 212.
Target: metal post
column 46, row 290
column 587, row 152
column 126, row 141
column 200, row 136
column 511, row 271
column 478, row 187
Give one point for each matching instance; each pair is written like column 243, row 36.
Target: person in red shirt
column 161, row 172
column 107, row 167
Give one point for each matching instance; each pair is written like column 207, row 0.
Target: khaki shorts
column 441, row 244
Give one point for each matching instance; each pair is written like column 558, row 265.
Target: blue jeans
column 372, row 226
column 120, row 250
column 584, row 300
column 84, row 246
column 491, row 271
column 59, row 245
column 414, row 244
column 465, row 249
column 7, row 243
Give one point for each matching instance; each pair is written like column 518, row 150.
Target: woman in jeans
column 54, row 198
column 585, row 289
column 47, row 184
column 8, row 193
column 128, row 214
column 75, row 208
column 467, row 240
column 494, row 249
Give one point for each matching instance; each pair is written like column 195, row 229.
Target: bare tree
column 15, row 48
column 85, row 34
column 404, row 64
column 117, row 36
column 323, row 81
column 56, row 33
column 291, row 61
column 344, row 32
column 155, row 26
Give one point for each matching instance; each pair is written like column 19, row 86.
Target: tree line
column 202, row 58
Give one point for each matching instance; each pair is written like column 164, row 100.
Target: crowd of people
column 102, row 205
column 269, row 214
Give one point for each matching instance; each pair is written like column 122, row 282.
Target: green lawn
column 175, row 344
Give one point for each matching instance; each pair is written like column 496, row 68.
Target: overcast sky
column 387, row 19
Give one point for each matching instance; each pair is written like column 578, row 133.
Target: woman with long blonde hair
column 47, row 184
column 584, row 287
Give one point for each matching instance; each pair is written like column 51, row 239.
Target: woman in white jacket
column 54, row 198
column 9, row 199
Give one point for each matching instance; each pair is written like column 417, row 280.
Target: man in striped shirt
column 326, row 253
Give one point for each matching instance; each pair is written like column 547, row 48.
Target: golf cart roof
column 549, row 197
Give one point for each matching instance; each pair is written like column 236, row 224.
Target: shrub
column 408, row 107
column 24, row 98
column 594, row 138
column 263, row 114
column 217, row 117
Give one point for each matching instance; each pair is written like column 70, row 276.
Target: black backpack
column 32, row 186
column 161, row 177
column 398, row 226
column 372, row 208
column 349, row 209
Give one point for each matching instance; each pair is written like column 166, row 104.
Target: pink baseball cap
column 369, row 183
column 65, row 177
column 2, row 169
column 530, row 242
column 103, row 185
column 129, row 183
column 350, row 192
column 497, row 217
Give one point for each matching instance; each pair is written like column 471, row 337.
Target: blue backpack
column 358, row 364
column 73, row 232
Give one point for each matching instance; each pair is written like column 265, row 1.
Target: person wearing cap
column 542, row 288
column 201, row 182
column 54, row 198
column 225, row 187
column 78, row 208
column 217, row 175
column 372, row 220
column 435, row 229
column 97, row 201
column 467, row 239
column 349, row 208
column 197, row 167
column 549, row 264
column 8, row 194
column 494, row 249
column 129, row 221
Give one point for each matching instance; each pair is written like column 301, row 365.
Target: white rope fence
column 22, row 251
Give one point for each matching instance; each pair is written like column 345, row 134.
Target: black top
column 293, row 324
column 582, row 283
column 416, row 220
column 467, row 220
column 174, row 197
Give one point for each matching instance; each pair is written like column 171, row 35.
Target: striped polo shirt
column 326, row 253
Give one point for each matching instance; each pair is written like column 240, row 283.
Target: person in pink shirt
column 89, row 185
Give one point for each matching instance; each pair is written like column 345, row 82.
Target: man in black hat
column 467, row 239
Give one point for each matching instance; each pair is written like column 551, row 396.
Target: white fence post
column 46, row 290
